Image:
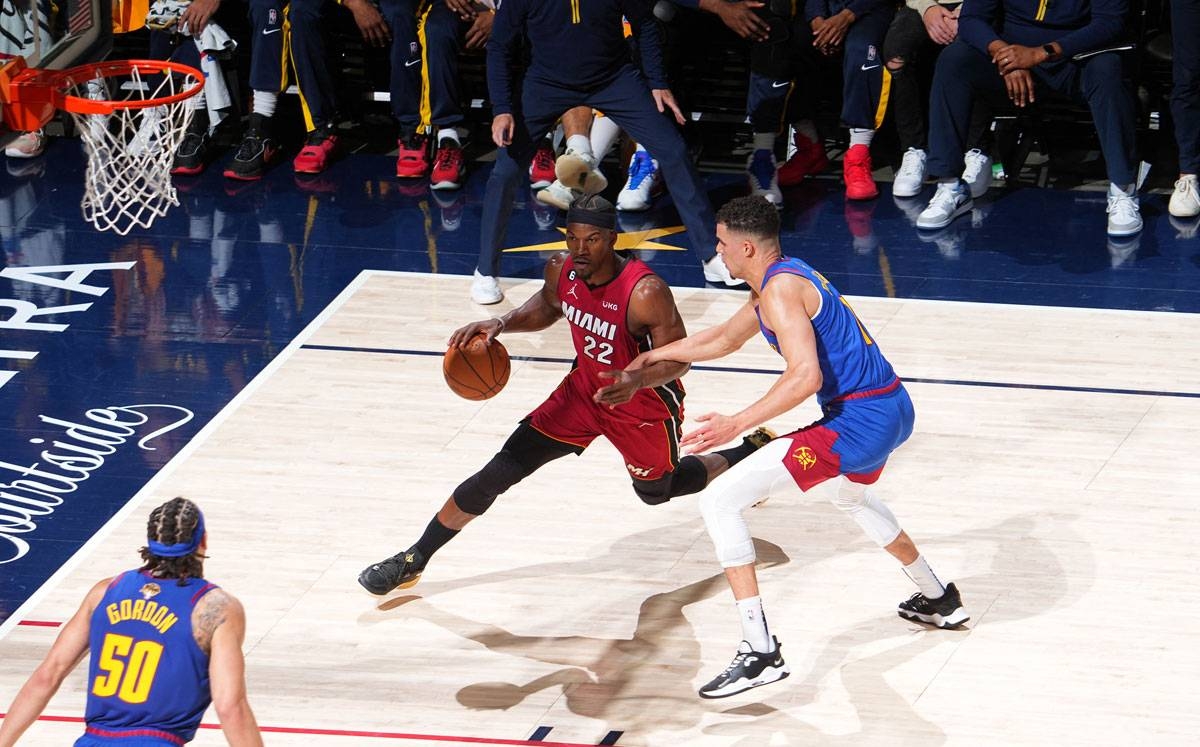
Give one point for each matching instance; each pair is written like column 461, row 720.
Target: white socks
column 581, row 144
column 604, row 134
column 923, row 576
column 264, row 103
column 764, row 141
column 859, row 136
column 448, row 133
column 1115, row 189
column 806, row 128
column 754, row 625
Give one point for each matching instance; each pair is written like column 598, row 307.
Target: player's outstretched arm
column 221, row 621
column 706, row 345
column 538, row 312
column 68, row 649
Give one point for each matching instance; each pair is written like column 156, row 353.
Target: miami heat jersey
column 851, row 364
column 599, row 328
column 147, row 676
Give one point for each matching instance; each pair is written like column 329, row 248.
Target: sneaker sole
column 546, row 198
column 962, row 210
column 405, row 585
column 187, row 170
column 1132, row 231
column 446, row 184
column 576, row 173
column 953, row 621
column 742, row 686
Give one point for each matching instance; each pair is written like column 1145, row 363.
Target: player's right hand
column 503, row 126
column 464, row 334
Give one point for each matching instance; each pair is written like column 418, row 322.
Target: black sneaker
column 193, row 152
column 256, row 152
column 944, row 612
column 397, row 572
column 748, row 669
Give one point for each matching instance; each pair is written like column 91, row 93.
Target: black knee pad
column 654, row 492
column 525, row 451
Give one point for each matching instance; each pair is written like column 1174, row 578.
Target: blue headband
column 179, row 549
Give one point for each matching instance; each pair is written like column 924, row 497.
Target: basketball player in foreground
column 616, row 307
column 867, row 414
column 164, row 644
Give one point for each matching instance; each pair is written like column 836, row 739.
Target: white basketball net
column 130, row 151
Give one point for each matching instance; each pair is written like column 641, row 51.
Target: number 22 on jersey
column 128, row 668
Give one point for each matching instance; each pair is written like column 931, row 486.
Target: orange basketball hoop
column 130, row 114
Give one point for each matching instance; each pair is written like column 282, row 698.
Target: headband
column 179, row 549
column 599, row 218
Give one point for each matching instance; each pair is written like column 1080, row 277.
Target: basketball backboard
column 53, row 35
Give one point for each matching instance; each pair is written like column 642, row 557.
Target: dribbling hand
column 462, row 335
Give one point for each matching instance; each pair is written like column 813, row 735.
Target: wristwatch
column 1051, row 52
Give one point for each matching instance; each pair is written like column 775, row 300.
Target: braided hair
column 172, row 522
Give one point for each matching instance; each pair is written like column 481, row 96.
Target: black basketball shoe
column 256, row 152
column 194, row 150
column 944, row 612
column 748, row 669
column 400, row 571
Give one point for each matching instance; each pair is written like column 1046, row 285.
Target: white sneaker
column 977, row 172
column 1185, row 200
column 27, row 145
column 951, row 200
column 578, row 171
column 559, row 196
column 763, row 174
column 1123, row 216
column 644, row 178
column 716, row 272
column 485, row 290
column 911, row 175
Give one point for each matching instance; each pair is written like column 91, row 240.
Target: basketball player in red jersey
column 616, row 308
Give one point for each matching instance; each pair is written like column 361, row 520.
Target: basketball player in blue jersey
column 867, row 414
column 164, row 644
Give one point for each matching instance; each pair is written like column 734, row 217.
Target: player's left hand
column 717, row 429
column 464, row 8
column 481, row 30
column 197, row 15
column 624, row 386
column 664, row 98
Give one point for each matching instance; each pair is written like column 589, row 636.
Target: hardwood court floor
column 1051, row 475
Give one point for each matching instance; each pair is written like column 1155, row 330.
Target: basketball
column 476, row 371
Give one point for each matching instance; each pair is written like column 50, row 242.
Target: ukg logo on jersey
column 77, row 450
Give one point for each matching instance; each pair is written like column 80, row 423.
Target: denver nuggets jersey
column 147, row 676
column 851, row 364
column 598, row 320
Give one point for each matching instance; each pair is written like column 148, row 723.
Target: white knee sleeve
column 743, row 485
column 872, row 514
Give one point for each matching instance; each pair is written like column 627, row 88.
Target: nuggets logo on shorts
column 805, row 456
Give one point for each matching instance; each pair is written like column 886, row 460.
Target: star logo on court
column 625, row 240
column 805, row 456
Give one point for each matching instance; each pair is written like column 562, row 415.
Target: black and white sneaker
column 400, row 571
column 748, row 669
column 944, row 612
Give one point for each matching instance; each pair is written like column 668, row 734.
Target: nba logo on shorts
column 272, row 17
column 412, row 49
column 871, row 53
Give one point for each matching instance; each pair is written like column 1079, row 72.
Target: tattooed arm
column 219, row 624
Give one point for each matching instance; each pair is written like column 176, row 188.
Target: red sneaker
column 413, row 159
column 449, row 166
column 541, row 171
column 318, row 153
column 808, row 159
column 856, row 171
